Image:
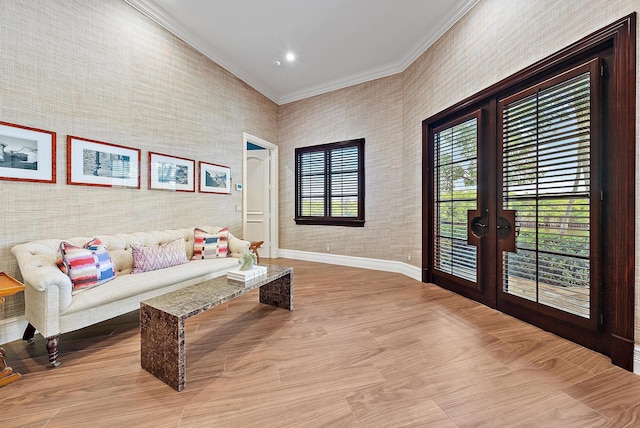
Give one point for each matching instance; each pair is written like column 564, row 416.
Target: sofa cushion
column 86, row 267
column 210, row 245
column 147, row 258
column 128, row 290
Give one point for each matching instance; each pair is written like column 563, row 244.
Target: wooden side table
column 8, row 287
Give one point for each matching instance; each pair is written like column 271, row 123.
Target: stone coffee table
column 162, row 318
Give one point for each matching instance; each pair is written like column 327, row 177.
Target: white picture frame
column 173, row 173
column 27, row 154
column 96, row 163
column 214, row 178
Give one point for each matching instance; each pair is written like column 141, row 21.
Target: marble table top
column 197, row 298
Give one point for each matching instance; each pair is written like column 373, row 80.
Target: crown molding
column 430, row 38
column 177, row 28
column 345, row 82
column 152, row 11
column 389, row 69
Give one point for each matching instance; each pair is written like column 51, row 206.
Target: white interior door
column 260, row 195
column 257, row 188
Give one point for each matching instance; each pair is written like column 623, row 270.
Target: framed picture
column 96, row 163
column 171, row 173
column 214, row 178
column 27, row 154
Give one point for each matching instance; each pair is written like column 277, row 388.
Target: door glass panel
column 546, row 179
column 455, row 178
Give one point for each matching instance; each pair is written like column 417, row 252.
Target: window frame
column 327, row 219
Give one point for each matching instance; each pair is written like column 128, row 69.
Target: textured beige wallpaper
column 99, row 69
column 494, row 40
column 372, row 111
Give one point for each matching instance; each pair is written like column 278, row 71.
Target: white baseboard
column 357, row 262
column 388, row 266
column 12, row 329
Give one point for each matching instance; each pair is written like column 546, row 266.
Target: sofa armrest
column 38, row 268
column 42, row 310
column 48, row 288
column 238, row 246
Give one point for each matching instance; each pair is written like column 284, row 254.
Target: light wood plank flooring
column 361, row 349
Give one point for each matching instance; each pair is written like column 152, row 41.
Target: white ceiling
column 337, row 43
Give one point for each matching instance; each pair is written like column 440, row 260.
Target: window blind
column 330, row 183
column 546, row 178
column 455, row 176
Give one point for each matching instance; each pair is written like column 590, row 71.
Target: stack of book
column 247, row 275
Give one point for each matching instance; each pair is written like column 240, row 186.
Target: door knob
column 504, row 230
column 478, row 226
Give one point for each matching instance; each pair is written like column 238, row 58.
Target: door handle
column 505, row 232
column 478, row 226
column 503, row 227
column 479, row 229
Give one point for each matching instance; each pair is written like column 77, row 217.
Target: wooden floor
column 361, row 349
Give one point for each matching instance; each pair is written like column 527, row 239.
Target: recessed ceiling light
column 290, row 56
column 277, row 63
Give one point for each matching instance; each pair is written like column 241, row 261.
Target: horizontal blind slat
column 546, row 179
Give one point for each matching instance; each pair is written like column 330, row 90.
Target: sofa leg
column 52, row 348
column 29, row 332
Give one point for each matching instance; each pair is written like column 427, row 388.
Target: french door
column 525, row 210
column 550, row 195
column 516, row 217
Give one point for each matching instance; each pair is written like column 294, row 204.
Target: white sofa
column 51, row 308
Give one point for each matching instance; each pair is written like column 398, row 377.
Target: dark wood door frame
column 617, row 336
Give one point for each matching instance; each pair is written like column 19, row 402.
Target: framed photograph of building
column 96, row 163
column 27, row 154
column 214, row 178
column 171, row 173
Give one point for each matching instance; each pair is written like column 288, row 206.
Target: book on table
column 246, row 275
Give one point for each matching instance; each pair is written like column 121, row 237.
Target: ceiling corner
column 180, row 30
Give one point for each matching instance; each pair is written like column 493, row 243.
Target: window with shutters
column 330, row 184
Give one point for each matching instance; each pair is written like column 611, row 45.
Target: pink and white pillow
column 86, row 266
column 59, row 259
column 146, row 259
column 210, row 245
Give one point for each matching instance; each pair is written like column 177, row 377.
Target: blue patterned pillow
column 87, row 267
column 210, row 245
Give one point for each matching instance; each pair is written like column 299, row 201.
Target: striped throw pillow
column 87, row 267
column 60, row 261
column 210, row 245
